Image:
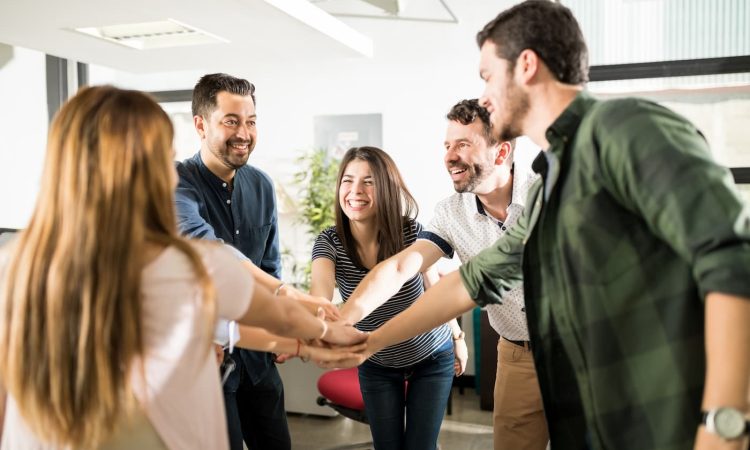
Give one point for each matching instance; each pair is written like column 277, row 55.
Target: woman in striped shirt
column 375, row 220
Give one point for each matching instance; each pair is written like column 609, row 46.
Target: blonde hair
column 70, row 310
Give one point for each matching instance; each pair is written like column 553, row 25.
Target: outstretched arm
column 445, row 301
column 386, row 278
column 254, row 338
column 460, row 350
column 728, row 365
column 285, row 316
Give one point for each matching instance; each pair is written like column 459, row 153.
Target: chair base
column 354, row 414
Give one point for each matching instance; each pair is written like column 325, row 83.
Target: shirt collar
column 207, row 174
column 564, row 128
column 516, row 197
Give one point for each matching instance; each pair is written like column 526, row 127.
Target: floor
column 467, row 428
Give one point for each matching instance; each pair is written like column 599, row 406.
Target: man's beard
column 477, row 174
column 227, row 157
column 517, row 103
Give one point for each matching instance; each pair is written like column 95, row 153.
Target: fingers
column 344, row 334
column 349, row 360
column 332, row 312
column 219, row 352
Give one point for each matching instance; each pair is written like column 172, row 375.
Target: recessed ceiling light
column 148, row 35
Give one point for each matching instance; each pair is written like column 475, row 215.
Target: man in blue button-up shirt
column 220, row 197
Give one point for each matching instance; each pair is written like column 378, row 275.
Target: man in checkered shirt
column 488, row 200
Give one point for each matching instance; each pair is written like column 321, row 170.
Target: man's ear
column 200, row 125
column 504, row 150
column 527, row 66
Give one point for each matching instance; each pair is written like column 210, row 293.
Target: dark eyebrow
column 235, row 116
column 458, row 140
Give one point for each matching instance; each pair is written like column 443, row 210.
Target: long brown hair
column 394, row 204
column 70, row 314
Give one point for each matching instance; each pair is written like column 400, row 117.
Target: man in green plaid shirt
column 634, row 253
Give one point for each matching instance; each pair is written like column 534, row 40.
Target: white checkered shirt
column 460, row 224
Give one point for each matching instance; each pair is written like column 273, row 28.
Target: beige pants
column 518, row 415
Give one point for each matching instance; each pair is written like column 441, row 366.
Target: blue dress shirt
column 242, row 215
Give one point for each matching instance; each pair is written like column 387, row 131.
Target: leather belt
column 524, row 344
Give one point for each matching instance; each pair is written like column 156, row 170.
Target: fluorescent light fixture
column 316, row 18
column 148, row 35
column 389, row 6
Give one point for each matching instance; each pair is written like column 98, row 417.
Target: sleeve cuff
column 444, row 246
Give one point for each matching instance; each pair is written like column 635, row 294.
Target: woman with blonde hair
column 106, row 314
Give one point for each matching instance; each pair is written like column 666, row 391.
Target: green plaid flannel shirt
column 624, row 235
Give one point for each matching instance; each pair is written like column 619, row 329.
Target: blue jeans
column 423, row 402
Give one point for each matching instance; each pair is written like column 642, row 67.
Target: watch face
column 729, row 422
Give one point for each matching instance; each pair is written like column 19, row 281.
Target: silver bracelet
column 278, row 289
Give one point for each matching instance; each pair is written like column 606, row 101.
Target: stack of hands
column 341, row 346
column 344, row 346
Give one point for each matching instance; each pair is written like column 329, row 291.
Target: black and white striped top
column 348, row 275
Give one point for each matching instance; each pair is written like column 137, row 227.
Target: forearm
column 261, row 277
column 282, row 316
column 728, row 365
column 727, row 350
column 260, row 339
column 443, row 302
column 382, row 283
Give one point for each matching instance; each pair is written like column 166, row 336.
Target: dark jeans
column 256, row 412
column 423, row 402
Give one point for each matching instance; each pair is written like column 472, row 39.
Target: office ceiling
column 256, row 31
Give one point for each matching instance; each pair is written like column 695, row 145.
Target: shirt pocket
column 256, row 240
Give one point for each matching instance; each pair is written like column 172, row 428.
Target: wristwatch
column 728, row 423
column 460, row 336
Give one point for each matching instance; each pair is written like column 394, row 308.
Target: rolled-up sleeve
column 665, row 172
column 490, row 275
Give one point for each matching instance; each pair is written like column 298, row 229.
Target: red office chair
column 339, row 389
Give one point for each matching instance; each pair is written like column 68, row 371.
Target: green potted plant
column 317, row 196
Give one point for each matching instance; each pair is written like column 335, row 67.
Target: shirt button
column 228, row 202
column 236, row 231
column 224, row 184
column 504, row 228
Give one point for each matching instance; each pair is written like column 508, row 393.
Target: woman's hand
column 461, row 356
column 342, row 333
column 219, row 353
column 333, row 356
column 332, row 312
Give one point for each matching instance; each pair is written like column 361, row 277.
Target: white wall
column 419, row 71
column 23, row 132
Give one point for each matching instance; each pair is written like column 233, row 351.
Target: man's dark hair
column 209, row 86
column 547, row 28
column 467, row 111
